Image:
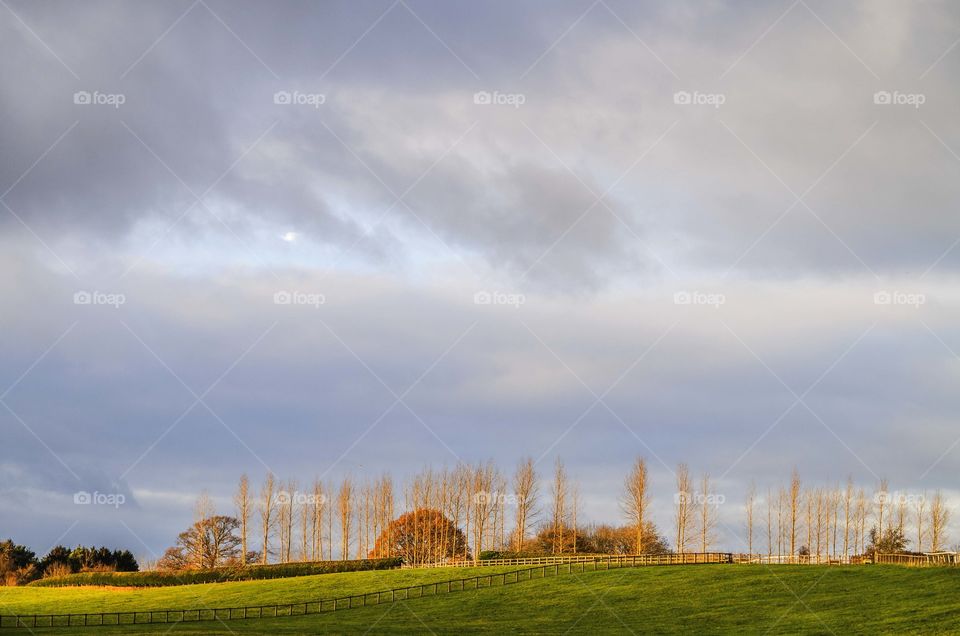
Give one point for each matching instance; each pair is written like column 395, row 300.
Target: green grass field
column 698, row 599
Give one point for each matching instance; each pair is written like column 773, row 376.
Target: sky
column 342, row 238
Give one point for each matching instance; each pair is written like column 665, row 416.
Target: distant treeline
column 19, row 564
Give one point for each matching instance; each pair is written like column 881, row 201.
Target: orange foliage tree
column 422, row 536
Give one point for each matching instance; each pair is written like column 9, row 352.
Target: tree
column 18, row 563
column 316, row 521
column 794, row 508
column 939, row 515
column 268, row 505
column 345, row 510
column 525, row 491
column 751, row 500
column 636, row 500
column 244, row 505
column 881, row 497
column 889, row 541
column 485, row 502
column 209, row 543
column 919, row 509
column 412, row 536
column 561, row 491
column 769, row 523
column 707, row 520
column 848, row 516
column 605, row 539
column 683, row 500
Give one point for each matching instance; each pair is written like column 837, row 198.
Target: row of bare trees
column 843, row 520
column 281, row 522
column 497, row 512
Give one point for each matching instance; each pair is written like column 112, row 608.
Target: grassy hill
column 701, row 599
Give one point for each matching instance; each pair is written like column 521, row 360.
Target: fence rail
column 323, row 606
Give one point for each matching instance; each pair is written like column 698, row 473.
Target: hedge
column 158, row 578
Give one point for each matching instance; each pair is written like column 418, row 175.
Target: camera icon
column 882, row 97
column 682, row 97
column 82, row 298
column 82, row 498
column 283, row 497
column 482, row 97
column 82, row 97
column 483, row 497
column 682, row 298
column 482, row 298
column 282, row 97
column 882, row 298
column 282, row 298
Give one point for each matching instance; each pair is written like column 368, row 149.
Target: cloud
column 583, row 183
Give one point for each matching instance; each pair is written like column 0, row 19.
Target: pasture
column 702, row 599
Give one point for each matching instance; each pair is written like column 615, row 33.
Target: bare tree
column 345, row 509
column 268, row 505
column 561, row 492
column 306, row 513
column 244, row 506
column 203, row 510
column 683, row 500
column 821, row 519
column 285, row 516
column 900, row 513
column 781, row 525
column 835, row 497
column 484, row 504
column 318, row 502
column 881, row 498
column 575, row 506
column 748, row 507
column 525, row 490
column 636, row 500
column 794, row 509
column 939, row 516
column 769, row 523
column 861, row 522
column 707, row 513
column 919, row 512
column 848, row 515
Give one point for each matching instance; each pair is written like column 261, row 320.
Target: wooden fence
column 919, row 560
column 689, row 558
column 323, row 606
column 799, row 559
